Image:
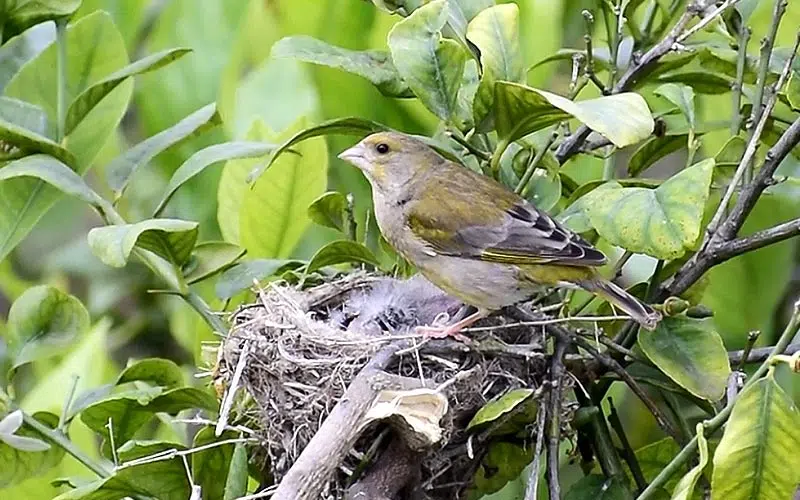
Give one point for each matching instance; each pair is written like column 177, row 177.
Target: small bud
column 674, row 306
column 521, row 160
column 699, row 312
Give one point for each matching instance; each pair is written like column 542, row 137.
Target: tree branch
column 761, row 239
column 554, row 417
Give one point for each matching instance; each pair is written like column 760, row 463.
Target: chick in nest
column 396, row 306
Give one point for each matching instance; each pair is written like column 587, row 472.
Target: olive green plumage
column 471, row 236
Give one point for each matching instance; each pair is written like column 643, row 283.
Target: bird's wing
column 473, row 217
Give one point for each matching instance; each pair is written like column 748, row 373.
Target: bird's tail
column 642, row 313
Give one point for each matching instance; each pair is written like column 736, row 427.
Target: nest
column 296, row 353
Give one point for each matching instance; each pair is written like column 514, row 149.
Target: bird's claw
column 442, row 332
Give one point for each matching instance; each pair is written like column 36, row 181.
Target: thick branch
column 760, row 354
column 761, row 239
column 553, row 417
column 394, row 469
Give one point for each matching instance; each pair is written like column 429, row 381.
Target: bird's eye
column 382, row 148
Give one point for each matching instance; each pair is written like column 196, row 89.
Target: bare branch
column 553, row 426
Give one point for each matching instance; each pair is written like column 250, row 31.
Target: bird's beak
column 355, row 156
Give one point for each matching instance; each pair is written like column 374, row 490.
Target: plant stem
column 752, row 337
column 204, row 310
column 60, row 440
column 604, row 448
column 627, row 450
column 522, row 186
column 553, row 417
column 609, row 167
column 742, row 38
column 713, row 424
column 61, row 77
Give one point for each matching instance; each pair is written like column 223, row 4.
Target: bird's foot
column 440, row 332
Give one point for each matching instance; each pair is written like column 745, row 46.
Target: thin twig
column 227, row 401
column 627, row 450
column 174, row 452
column 743, row 38
column 531, row 490
column 554, row 418
column 706, row 20
column 759, row 354
column 544, row 322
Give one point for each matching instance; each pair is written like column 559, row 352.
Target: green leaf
column 240, row 277
column 653, row 458
column 210, row 467
column 44, row 322
column 25, row 115
column 329, row 210
column 91, row 96
column 19, row 464
column 685, row 487
column 793, row 91
column 209, row 258
column 94, row 50
column 502, row 463
column 350, row 125
column 681, row 96
column 495, row 31
column 623, row 119
column 158, row 371
column 374, row 65
column 690, row 353
column 273, row 214
column 236, row 483
column 653, row 150
column 757, row 457
column 16, row 52
column 31, row 142
column 496, row 408
column 120, row 170
column 9, row 426
column 53, row 172
column 663, row 222
column 340, row 252
column 21, row 14
column 207, row 157
column 184, row 398
column 702, row 82
column 596, row 487
column 431, row 65
column 171, row 239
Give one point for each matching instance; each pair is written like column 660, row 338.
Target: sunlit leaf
column 340, row 252
column 663, row 222
column 91, row 96
column 21, row 14
column 757, row 457
column 623, row 119
column 209, row 258
column 431, row 65
column 793, row 91
column 685, row 487
column 171, row 239
column 9, row 426
column 495, row 31
column 159, row 371
column 691, row 353
column 496, row 408
column 207, row 157
column 374, row 65
column 21, row 464
column 43, row 322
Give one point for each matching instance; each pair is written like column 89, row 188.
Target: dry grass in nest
column 305, row 347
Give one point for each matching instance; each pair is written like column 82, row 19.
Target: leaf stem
column 522, row 186
column 713, row 424
column 204, row 310
column 61, row 77
column 60, row 440
column 752, row 337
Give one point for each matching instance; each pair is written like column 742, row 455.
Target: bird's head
column 391, row 159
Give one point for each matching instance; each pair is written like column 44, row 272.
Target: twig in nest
column 554, row 417
column 531, row 491
column 227, row 401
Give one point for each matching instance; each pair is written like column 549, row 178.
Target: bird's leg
column 440, row 332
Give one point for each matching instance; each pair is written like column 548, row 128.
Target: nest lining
column 305, row 347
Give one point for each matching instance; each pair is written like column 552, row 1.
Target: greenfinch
column 473, row 238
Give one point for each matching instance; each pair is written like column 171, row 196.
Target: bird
column 473, row 238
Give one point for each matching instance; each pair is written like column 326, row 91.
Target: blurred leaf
column 350, row 126
column 171, row 239
column 374, row 65
column 623, row 119
column 596, row 487
column 21, row 464
column 602, row 61
column 21, row 14
column 495, row 31
column 652, row 460
column 273, row 214
column 662, row 222
column 685, row 487
column 44, row 322
column 211, row 257
column 120, row 170
column 432, row 66
column 30, row 141
column 207, row 157
column 14, row 53
column 163, row 479
column 210, row 467
column 653, row 150
column 94, row 50
column 757, row 456
column 681, row 96
column 91, row 96
column 25, row 115
column 158, row 371
column 240, row 276
column 340, row 252
column 731, row 152
column 496, row 408
column 9, row 426
column 236, row 483
column 53, row 172
column 543, row 189
column 502, row 463
column 329, row 210
column 793, row 91
column 691, row 353
column 702, row 82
